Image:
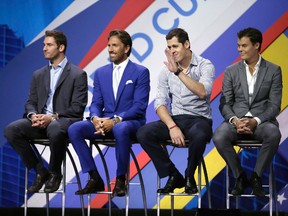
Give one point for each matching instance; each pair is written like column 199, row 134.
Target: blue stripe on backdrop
column 30, row 17
column 223, row 51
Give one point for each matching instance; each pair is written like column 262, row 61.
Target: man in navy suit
column 118, row 109
column 57, row 98
column 250, row 101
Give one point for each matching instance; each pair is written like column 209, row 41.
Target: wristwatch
column 179, row 70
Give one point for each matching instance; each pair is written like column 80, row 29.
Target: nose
column 110, row 49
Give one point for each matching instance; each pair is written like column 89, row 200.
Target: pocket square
column 128, row 82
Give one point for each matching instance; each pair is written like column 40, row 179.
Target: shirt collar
column 122, row 64
column 194, row 61
column 257, row 64
column 62, row 64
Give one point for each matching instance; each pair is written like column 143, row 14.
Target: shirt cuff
column 258, row 120
column 29, row 115
column 231, row 119
column 120, row 118
column 92, row 117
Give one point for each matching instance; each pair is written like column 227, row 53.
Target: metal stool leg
column 141, row 181
column 127, row 192
column 102, row 156
column 199, row 184
column 77, row 179
column 206, row 182
column 201, row 165
column 45, row 143
column 64, row 185
column 158, row 196
column 26, row 192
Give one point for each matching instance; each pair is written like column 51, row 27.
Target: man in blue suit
column 118, row 109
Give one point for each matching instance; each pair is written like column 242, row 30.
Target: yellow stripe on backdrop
column 277, row 53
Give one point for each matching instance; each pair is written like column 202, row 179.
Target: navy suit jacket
column 132, row 96
column 70, row 97
column 266, row 98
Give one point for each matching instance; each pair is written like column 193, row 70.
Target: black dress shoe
column 120, row 188
column 240, row 185
column 190, row 187
column 92, row 186
column 53, row 183
column 256, row 185
column 172, row 183
column 38, row 183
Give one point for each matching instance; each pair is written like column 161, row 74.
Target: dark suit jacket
column 70, row 97
column 266, row 99
column 132, row 96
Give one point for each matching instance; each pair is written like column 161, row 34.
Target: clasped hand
column 103, row 125
column 40, row 120
column 246, row 125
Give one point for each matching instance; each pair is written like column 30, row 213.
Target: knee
column 272, row 134
column 10, row 132
column 142, row 134
column 219, row 140
column 74, row 131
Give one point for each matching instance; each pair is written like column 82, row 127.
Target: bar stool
column 111, row 143
column 272, row 195
column 62, row 190
column 201, row 166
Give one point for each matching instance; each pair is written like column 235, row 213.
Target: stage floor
column 132, row 212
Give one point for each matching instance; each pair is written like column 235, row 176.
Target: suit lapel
column 260, row 78
column 126, row 74
column 243, row 80
column 47, row 80
column 63, row 75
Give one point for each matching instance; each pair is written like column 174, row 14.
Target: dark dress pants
column 18, row 134
column 198, row 130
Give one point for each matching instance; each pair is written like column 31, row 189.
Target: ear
column 61, row 48
column 187, row 44
column 127, row 48
column 257, row 45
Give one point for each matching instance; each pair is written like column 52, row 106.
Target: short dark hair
column 253, row 34
column 180, row 33
column 124, row 37
column 59, row 37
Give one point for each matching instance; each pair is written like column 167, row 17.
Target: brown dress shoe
column 38, row 183
column 92, row 186
column 120, row 188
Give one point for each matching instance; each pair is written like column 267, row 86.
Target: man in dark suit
column 57, row 98
column 250, row 101
column 118, row 109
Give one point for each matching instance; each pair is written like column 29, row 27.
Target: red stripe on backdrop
column 124, row 17
column 143, row 159
column 268, row 37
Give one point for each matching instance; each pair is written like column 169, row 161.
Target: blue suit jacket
column 132, row 96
